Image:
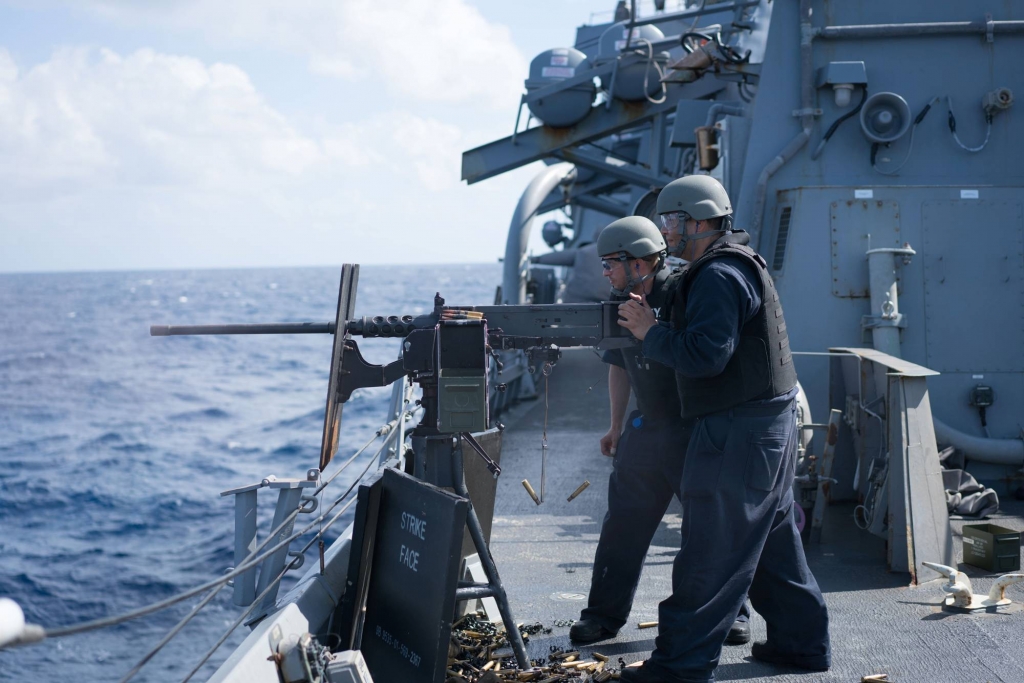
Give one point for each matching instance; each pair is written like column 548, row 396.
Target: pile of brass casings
column 479, row 653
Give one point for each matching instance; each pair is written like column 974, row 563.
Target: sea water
column 115, row 446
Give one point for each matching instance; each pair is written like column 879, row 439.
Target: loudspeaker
column 885, row 117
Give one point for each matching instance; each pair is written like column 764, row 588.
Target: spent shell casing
column 529, row 489
column 647, row 624
column 580, row 489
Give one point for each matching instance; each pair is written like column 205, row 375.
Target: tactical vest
column 653, row 384
column 761, row 366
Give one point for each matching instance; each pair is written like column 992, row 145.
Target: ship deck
column 878, row 623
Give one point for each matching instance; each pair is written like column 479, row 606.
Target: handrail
column 389, row 431
column 295, row 563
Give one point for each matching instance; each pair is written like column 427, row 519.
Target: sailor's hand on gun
column 609, row 442
column 636, row 316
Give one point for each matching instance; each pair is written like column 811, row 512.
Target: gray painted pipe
column 691, row 13
column 806, row 122
column 995, row 451
column 513, row 281
column 919, row 29
column 725, row 109
column 885, row 302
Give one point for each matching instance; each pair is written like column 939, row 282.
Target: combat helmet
column 632, row 237
column 700, row 197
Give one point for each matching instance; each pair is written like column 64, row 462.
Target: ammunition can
column 992, row 547
column 461, row 377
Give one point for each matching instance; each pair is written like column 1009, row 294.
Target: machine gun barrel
column 510, row 327
column 242, row 328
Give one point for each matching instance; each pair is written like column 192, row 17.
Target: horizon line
column 207, row 268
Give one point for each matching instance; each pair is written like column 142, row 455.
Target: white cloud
column 155, row 119
column 428, row 50
column 157, row 160
column 338, row 67
column 429, row 144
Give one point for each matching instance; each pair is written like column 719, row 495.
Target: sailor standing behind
column 727, row 343
column 648, row 464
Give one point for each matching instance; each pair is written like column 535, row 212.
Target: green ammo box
column 462, row 376
column 992, row 547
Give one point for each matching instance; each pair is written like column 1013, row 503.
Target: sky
column 138, row 134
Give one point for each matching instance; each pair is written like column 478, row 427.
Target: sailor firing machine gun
column 447, row 353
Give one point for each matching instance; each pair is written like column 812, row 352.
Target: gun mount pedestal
column 438, row 460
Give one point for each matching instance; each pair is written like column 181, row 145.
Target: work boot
column 589, row 631
column 767, row 653
column 648, row 674
column 739, row 633
column 640, row 674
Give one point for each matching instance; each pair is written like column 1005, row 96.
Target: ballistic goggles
column 674, row 221
column 608, row 262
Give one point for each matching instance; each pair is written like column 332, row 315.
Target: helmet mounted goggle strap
column 676, row 221
column 631, row 282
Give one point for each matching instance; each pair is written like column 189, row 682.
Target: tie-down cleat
column 961, row 596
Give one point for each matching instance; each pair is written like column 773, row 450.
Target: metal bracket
column 358, row 374
column 540, row 142
column 625, row 173
column 290, row 498
column 475, row 445
column 580, row 193
column 870, row 322
column 807, row 112
column 549, row 354
column 990, row 28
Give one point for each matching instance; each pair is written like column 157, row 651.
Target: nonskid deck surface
column 878, row 625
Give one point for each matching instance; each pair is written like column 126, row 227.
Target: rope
column 318, row 536
column 259, row 598
column 661, row 76
column 251, row 560
column 544, row 436
column 170, row 635
column 173, row 600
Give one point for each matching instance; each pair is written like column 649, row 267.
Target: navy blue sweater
column 723, row 297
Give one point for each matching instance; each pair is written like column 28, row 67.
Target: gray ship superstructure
column 871, row 150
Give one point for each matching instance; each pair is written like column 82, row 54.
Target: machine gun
column 447, row 352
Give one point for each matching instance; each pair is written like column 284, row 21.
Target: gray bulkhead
column 962, row 294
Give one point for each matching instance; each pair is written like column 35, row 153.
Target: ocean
column 115, row 446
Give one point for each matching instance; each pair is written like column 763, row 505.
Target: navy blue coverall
column 647, row 471
column 738, row 532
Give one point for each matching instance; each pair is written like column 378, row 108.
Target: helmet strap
column 632, row 282
column 686, row 239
